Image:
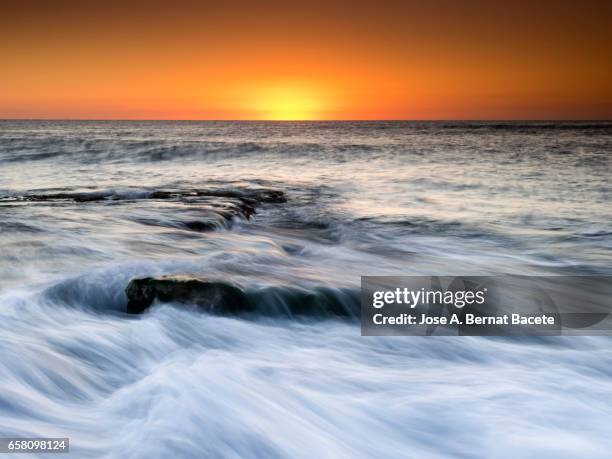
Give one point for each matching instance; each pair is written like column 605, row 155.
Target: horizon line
column 339, row 120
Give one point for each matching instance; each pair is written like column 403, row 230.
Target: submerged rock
column 211, row 295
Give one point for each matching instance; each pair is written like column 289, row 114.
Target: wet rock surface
column 210, row 295
column 224, row 298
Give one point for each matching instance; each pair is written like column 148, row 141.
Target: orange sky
column 312, row 60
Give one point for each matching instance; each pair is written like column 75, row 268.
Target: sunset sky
column 306, row 60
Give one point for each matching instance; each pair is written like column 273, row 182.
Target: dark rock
column 213, row 296
column 76, row 197
column 246, row 197
column 272, row 196
column 161, row 194
column 223, row 298
column 200, row 225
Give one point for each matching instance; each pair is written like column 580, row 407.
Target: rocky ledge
column 194, row 209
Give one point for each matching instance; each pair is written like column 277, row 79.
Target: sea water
column 363, row 198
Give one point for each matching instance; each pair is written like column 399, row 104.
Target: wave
column 122, row 292
column 176, row 383
column 155, row 151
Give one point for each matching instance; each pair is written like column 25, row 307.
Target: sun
column 287, row 103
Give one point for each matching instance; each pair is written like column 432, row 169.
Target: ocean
column 288, row 210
